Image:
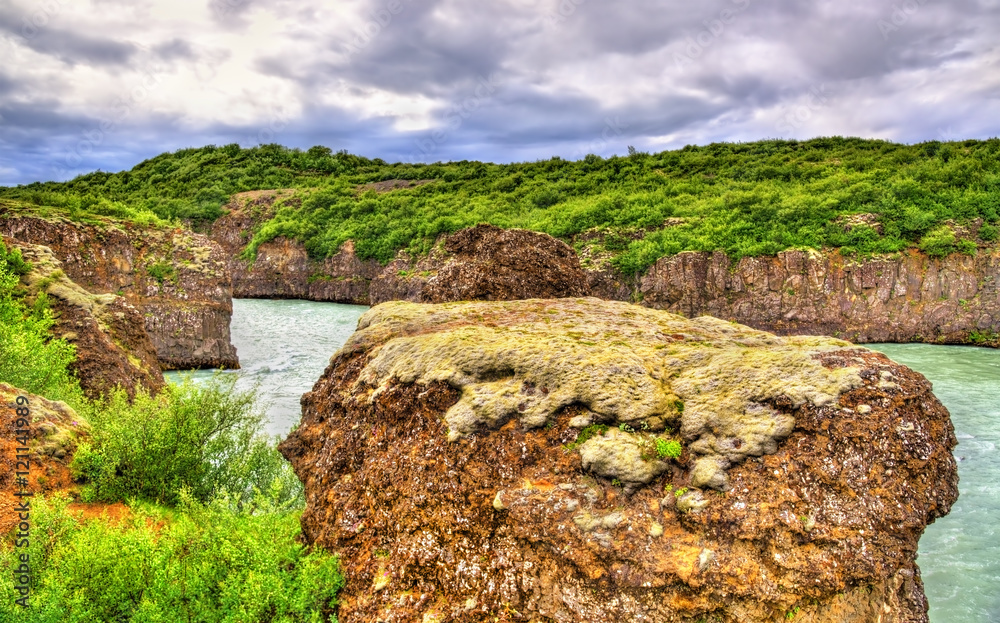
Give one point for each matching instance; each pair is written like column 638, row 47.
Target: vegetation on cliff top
column 746, row 199
column 210, row 532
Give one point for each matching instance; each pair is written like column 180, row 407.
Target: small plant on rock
column 668, row 449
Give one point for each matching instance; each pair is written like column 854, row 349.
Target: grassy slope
column 747, row 199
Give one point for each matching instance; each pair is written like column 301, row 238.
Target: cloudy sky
column 104, row 84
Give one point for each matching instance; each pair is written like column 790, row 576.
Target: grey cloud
column 70, row 46
column 174, row 49
column 769, row 56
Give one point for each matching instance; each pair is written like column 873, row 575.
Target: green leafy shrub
column 161, row 271
column 206, row 439
column 938, row 242
column 742, row 198
column 200, row 562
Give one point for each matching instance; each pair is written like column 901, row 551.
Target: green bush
column 938, row 242
column 200, row 562
column 206, row 439
column 29, row 358
column 742, row 198
column 162, row 271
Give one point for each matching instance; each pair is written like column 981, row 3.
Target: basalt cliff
column 907, row 297
column 585, row 460
column 176, row 280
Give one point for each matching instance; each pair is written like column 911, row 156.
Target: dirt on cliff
column 511, row 462
column 54, row 431
column 176, row 279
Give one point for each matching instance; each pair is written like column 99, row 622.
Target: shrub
column 668, row 449
column 29, row 358
column 938, row 242
column 203, row 562
column 162, row 271
column 206, row 439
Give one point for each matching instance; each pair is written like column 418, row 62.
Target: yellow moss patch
column 626, row 364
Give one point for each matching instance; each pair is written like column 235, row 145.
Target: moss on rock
column 719, row 382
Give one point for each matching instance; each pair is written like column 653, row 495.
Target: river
column 284, row 346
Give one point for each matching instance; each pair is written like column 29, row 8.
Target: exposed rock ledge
column 442, row 456
column 176, row 279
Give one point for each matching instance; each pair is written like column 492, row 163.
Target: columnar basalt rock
column 902, row 298
column 176, row 279
column 504, row 461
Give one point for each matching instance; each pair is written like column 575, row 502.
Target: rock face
column 112, row 346
column 54, row 432
column 478, row 263
column 911, row 297
column 487, row 263
column 518, row 461
column 176, row 279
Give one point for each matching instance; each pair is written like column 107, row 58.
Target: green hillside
column 746, row 199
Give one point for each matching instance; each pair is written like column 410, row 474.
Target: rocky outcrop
column 112, row 346
column 902, row 298
column 176, row 279
column 478, row 263
column 54, row 431
column 486, row 263
column 584, row 460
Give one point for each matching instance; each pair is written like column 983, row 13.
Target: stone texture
column 487, row 263
column 112, row 346
column 186, row 309
column 55, row 431
column 909, row 297
column 507, row 522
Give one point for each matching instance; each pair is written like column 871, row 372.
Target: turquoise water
column 959, row 555
column 284, row 346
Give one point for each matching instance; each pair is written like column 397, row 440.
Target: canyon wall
column 177, row 280
column 908, row 297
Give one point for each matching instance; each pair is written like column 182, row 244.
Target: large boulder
column 487, row 263
column 518, row 461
